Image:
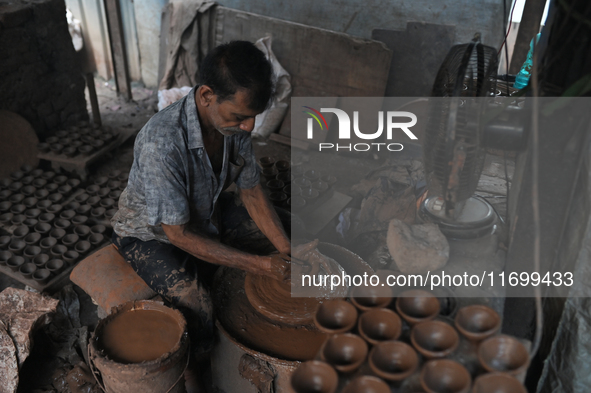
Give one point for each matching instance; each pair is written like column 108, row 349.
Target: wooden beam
column 117, row 42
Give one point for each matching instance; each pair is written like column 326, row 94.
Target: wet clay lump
column 139, row 335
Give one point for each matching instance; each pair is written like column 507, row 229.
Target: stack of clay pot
column 379, row 345
column 84, row 139
column 293, row 187
column 47, row 221
column 103, row 195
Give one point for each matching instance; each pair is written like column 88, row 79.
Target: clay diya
column 314, row 377
column 27, row 269
column 497, row 383
column 503, row 353
column 15, row 262
column 434, row 339
column 416, row 306
column 266, row 162
column 40, row 260
column 444, row 375
column 335, row 316
column 31, row 252
column 58, row 250
column 275, row 185
column 345, row 352
column 32, row 238
column 5, row 241
column 20, row 232
column 4, row 257
column 54, row 265
column 366, row 298
column 477, row 322
column 366, row 384
column 41, row 276
column 70, row 240
column 282, row 165
column 393, row 360
column 57, row 233
column 47, row 243
column 42, row 227
column 30, row 222
column 17, row 246
column 380, row 324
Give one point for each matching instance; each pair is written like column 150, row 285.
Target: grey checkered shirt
column 171, row 180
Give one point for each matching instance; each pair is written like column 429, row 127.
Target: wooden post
column 117, row 41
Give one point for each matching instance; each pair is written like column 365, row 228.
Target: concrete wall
column 148, row 15
column 359, row 18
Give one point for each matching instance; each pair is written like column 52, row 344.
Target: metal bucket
column 164, row 374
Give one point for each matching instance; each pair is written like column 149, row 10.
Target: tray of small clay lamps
column 281, row 337
column 404, row 344
column 32, row 232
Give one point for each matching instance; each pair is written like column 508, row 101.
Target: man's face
column 233, row 115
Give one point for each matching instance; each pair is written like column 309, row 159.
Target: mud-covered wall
column 40, row 75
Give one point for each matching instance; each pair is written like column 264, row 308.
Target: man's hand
column 280, row 267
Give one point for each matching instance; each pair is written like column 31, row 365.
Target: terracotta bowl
column 497, row 383
column 393, row 360
column 417, row 306
column 379, row 324
column 314, row 377
column 477, row 322
column 345, row 352
column 434, row 339
column 366, row 384
column 366, row 298
column 266, row 162
column 503, row 353
column 444, row 375
column 335, row 316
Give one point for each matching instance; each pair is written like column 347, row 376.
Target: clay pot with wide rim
column 57, row 233
column 416, row 306
column 345, row 352
column 434, row 339
column 366, row 384
column 58, row 250
column 82, row 247
column 82, row 230
column 94, row 201
column 266, row 162
column 366, row 298
column 497, row 383
column 379, row 324
column 503, row 354
column 79, row 220
column 335, row 316
column 96, row 239
column 444, row 375
column 103, row 192
column 110, row 213
column 477, row 322
column 393, row 360
column 100, row 229
column 71, row 256
column 70, row 240
column 314, row 377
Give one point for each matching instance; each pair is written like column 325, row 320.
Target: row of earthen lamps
column 362, row 323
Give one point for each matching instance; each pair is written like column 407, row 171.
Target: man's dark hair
column 238, row 65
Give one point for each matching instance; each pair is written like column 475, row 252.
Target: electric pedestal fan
column 453, row 150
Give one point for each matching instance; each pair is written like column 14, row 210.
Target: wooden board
column 79, row 163
column 19, row 143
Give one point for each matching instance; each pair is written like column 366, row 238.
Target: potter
column 175, row 223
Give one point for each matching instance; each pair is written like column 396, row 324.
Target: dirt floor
column 57, row 361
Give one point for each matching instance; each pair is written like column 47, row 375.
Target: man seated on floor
column 174, row 222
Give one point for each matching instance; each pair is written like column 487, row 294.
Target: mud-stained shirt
column 172, row 181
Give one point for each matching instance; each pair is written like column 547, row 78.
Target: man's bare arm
column 264, row 215
column 215, row 252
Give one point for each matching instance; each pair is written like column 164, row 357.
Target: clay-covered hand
column 303, row 251
column 280, row 267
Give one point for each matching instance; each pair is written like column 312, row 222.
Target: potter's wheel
column 272, row 298
column 270, row 333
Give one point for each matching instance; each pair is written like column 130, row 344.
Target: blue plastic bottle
column 522, row 78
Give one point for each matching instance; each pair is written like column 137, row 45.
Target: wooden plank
column 118, row 52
